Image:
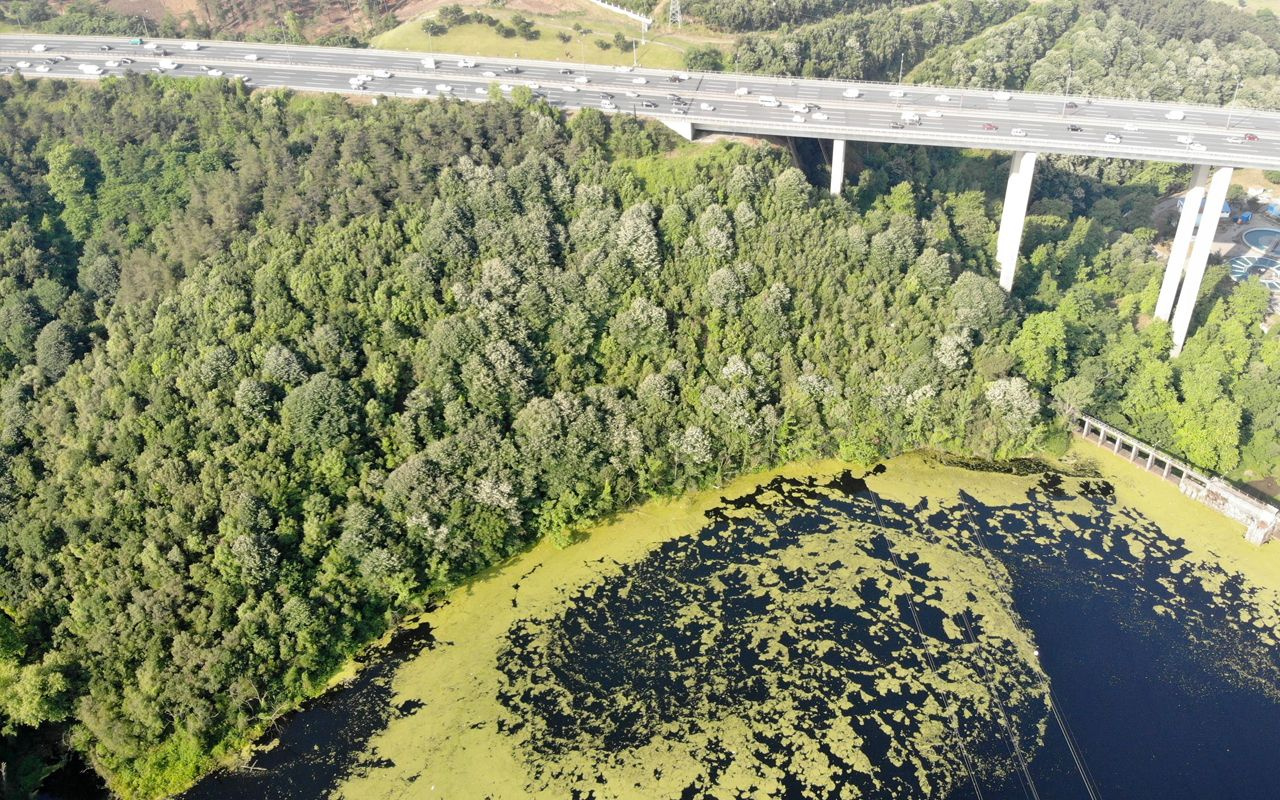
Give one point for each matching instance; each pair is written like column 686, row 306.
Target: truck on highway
column 165, row 63
column 769, row 101
column 910, row 117
column 428, row 63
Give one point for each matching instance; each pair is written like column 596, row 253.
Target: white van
column 769, row 101
column 190, row 45
column 428, row 63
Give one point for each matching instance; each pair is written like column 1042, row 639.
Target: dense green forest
column 275, row 369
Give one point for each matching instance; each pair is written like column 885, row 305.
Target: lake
column 923, row 628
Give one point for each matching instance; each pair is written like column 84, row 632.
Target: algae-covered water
column 918, row 630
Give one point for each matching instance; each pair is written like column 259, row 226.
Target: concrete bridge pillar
column 1200, row 249
column 683, row 127
column 1191, row 204
column 1014, row 216
column 837, row 166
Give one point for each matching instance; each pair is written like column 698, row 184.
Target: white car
column 362, row 79
column 42, row 67
column 421, row 91
column 571, row 88
column 428, row 63
column 742, row 91
column 897, row 94
column 684, row 76
column 111, row 64
column 582, row 79
column 630, row 93
column 933, row 112
column 190, row 45
column 639, row 81
column 481, row 90
column 535, row 86
column 800, row 108
column 381, row 73
column 679, row 110
column 821, row 117
column 1112, row 138
column 797, row 118
column 942, row 98
column 23, row 64
column 1175, row 114
column 505, row 87
column 1003, row 97
column 851, row 92
column 443, row 87
column 1235, row 140
column 39, row 48
column 1130, row 126
column 91, row 69
column 215, row 73
column 1197, row 146
column 488, row 73
column 250, row 56
column 151, row 46
column 607, row 104
column 166, row 63
column 706, row 107
column 769, row 102
column 1186, row 138
column 1018, row 132
column 466, row 63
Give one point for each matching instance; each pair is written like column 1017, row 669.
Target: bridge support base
column 1014, row 216
column 683, row 127
column 837, row 166
column 1216, row 195
column 1181, row 248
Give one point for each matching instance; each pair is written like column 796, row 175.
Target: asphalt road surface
column 724, row 102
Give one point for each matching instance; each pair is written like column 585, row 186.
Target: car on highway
column 742, row 91
column 1235, row 140
column 799, row 108
column 851, row 93
column 1196, row 146
column 504, row 87
column 512, row 70
column 897, row 94
column 674, row 97
column 444, row 88
column 466, row 63
column 104, row 47
column 1251, row 137
column 797, row 118
column 1175, row 114
column 215, row 73
column 39, row 48
column 1130, row 126
column 488, row 73
column 606, row 96
column 648, row 104
column 566, row 71
column 165, row 63
column 1186, row 138
column 421, row 91
column 191, row 46
column 942, row 98
column 1003, row 97
column 990, row 126
column 535, row 85
column 1017, row 132
column 91, row 69
column 571, row 88
column 680, row 109
column 897, row 125
column 382, row 73
column 820, row 116
column 607, row 104
column 639, row 81
column 250, row 56
column 769, row 102
column 110, row 64
column 1070, row 105
column 582, row 79
column 42, row 67
column 1073, row 128
column 706, row 107
column 361, row 79
column 23, row 64
column 1112, row 138
column 933, row 112
column 480, row 90
column 126, row 60
column 150, row 46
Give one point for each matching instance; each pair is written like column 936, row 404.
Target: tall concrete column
column 1191, row 204
column 1208, row 228
column 1016, row 195
column 837, row 165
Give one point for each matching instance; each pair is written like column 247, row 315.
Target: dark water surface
column 1181, row 704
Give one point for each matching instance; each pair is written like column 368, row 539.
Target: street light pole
column 1231, row 105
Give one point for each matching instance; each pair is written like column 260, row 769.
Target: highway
column 723, row 102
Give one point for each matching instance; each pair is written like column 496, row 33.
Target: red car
column 1251, row 137
column 987, row 126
